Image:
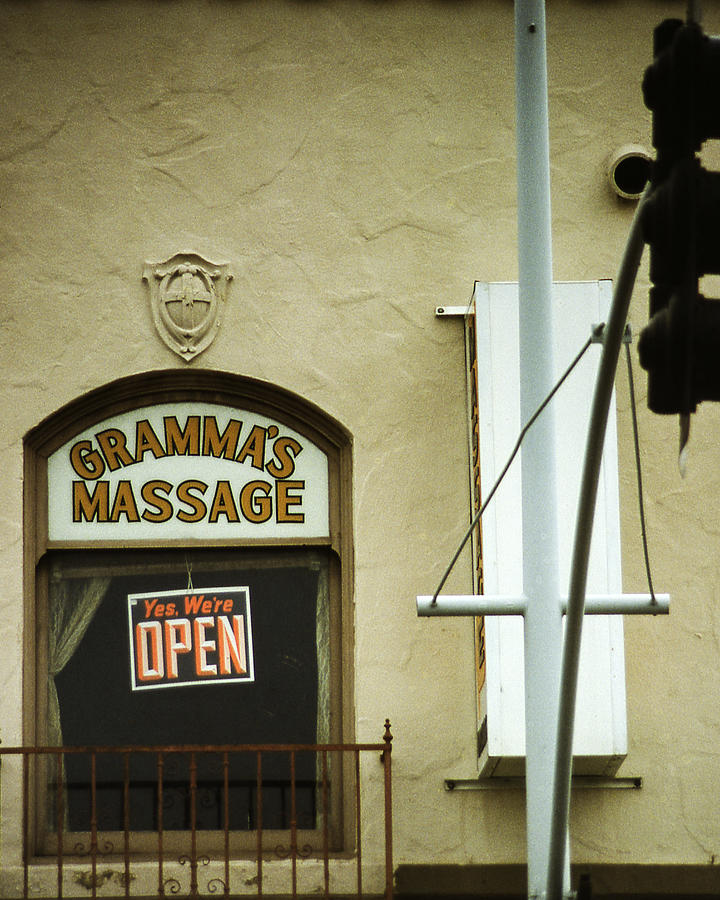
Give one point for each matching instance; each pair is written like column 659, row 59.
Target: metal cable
column 531, row 421
column 638, row 471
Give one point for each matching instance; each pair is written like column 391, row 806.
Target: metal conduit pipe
column 614, row 331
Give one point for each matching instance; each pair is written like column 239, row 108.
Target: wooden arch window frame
column 211, row 388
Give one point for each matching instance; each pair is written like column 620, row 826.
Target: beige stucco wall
column 353, row 162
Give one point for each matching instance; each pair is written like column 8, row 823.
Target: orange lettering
column 182, row 442
column 231, row 645
column 146, row 439
column 148, row 644
column 112, row 443
column 195, row 503
column 256, row 508
column 86, row 462
column 285, row 464
column 192, row 604
column 223, row 504
column 150, row 494
column 285, row 500
column 89, row 506
column 149, row 606
column 254, row 447
column 203, row 645
column 216, row 444
column 177, row 640
column 124, row 504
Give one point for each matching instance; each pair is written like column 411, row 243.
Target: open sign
column 181, row 638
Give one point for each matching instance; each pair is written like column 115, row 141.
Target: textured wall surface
column 354, row 163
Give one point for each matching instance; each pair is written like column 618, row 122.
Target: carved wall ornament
column 187, row 297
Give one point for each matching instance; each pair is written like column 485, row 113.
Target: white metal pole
column 543, row 617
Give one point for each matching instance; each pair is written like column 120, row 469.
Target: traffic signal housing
column 680, row 346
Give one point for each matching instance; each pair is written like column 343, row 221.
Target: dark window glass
column 91, row 701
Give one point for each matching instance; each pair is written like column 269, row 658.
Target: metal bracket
column 597, row 334
column 517, row 782
column 443, row 311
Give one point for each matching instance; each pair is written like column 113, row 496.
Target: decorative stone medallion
column 187, row 297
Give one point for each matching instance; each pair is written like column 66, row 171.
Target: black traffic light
column 680, row 347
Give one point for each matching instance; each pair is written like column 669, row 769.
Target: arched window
column 189, row 572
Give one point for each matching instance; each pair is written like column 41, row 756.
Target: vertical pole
column 160, row 825
column 543, row 619
column 259, row 824
column 694, row 11
column 386, row 758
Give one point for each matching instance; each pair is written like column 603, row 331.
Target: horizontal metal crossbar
column 516, row 605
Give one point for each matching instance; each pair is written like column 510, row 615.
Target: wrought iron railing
column 157, row 813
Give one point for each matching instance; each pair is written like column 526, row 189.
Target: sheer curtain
column 322, row 638
column 73, row 604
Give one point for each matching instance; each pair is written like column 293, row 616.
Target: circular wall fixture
column 629, row 170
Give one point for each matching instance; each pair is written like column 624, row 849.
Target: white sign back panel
column 600, row 729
